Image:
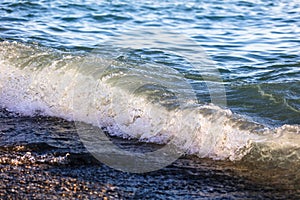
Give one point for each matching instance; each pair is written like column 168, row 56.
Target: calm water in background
column 255, row 46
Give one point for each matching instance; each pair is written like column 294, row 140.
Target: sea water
column 216, row 79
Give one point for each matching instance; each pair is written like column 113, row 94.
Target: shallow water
column 157, row 70
column 254, row 44
column 44, row 150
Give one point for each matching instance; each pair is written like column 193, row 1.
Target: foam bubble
column 130, row 101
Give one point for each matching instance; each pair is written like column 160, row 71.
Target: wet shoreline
column 35, row 175
column 81, row 177
column 43, row 158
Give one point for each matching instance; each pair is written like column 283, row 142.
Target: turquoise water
column 158, row 70
column 255, row 44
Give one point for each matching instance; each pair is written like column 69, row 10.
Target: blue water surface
column 254, row 44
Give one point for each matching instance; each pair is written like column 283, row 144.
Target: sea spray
column 131, row 102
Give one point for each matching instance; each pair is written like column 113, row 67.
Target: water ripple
column 252, row 42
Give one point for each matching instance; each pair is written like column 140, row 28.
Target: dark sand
column 29, row 176
column 43, row 158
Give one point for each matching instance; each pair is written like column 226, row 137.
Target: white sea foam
column 155, row 105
